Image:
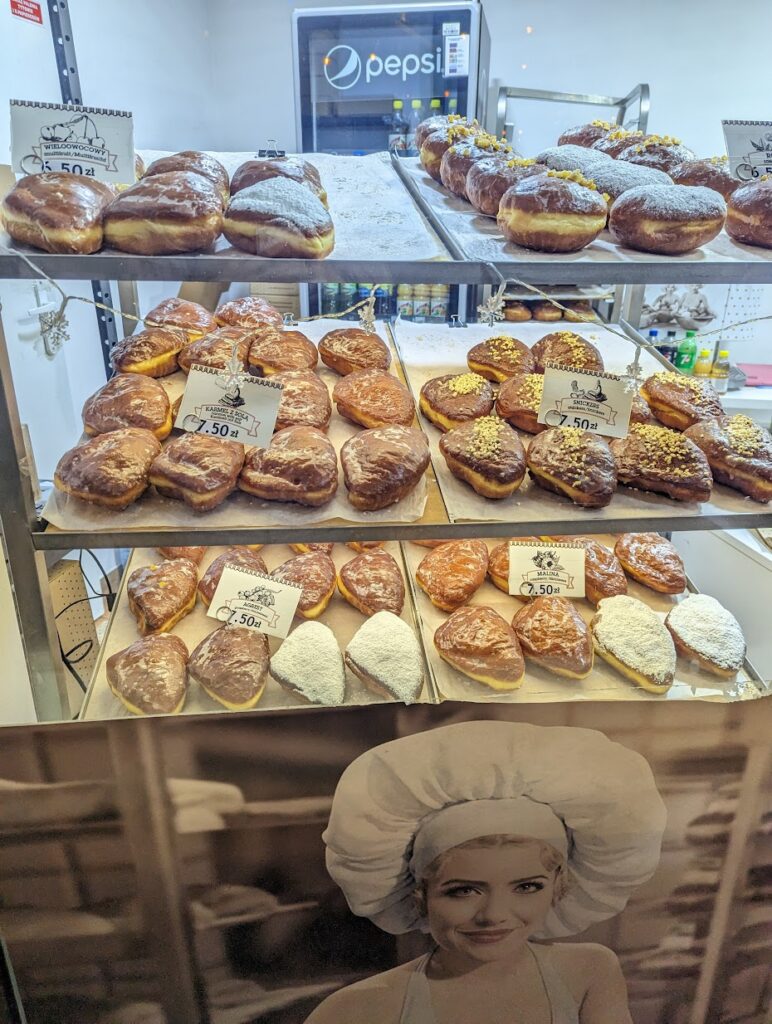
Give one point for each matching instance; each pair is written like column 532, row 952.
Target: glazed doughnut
column 248, row 311
column 152, row 352
column 437, row 122
column 566, row 349
column 293, row 167
column 373, row 398
column 679, row 401
column 149, row 677
column 110, row 470
column 481, row 643
column 653, row 561
column 382, row 466
column 553, row 634
column 603, row 572
column 193, row 554
column 273, row 350
column 668, row 219
column 574, row 463
column 298, row 465
column 451, row 573
column 711, row 173
column 197, row 163
column 640, row 411
column 661, row 152
column 129, row 400
column 739, row 453
column 573, row 158
column 546, row 312
column 161, row 595
column 749, row 216
column 487, row 454
column 315, row 573
column 660, row 460
column 231, row 666
column 498, row 565
column 305, row 400
column 177, row 211
column 372, row 582
column 500, row 357
column 57, row 212
column 280, row 218
column 578, row 311
column 488, row 179
column 452, row 399
column 617, row 141
column 240, row 557
column 518, row 402
column 347, row 349
column 585, row 135
column 197, row 469
column 434, row 145
column 516, row 312
column 216, row 349
column 189, row 317
column 559, row 211
column 458, row 158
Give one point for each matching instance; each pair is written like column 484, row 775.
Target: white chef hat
column 400, row 805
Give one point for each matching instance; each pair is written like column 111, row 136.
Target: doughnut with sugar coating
column 668, row 219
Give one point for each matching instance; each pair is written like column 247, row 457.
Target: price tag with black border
column 247, row 598
column 593, row 401
column 546, row 569
column 234, row 406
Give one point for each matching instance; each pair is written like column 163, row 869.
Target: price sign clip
column 248, row 598
column 598, row 402
column 234, row 406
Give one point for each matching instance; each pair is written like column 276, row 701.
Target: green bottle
column 686, row 356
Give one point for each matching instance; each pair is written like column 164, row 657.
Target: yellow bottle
column 704, row 364
column 719, row 374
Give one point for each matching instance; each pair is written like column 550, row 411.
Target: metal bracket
column 108, row 331
column 640, row 94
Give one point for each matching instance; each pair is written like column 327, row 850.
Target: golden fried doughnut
column 231, row 666
column 603, row 572
column 162, row 594
column 711, row 173
column 293, row 167
column 559, row 211
column 196, row 162
column 434, row 145
column 668, row 219
column 372, row 582
column 189, row 317
column 749, row 213
column 661, row 460
column 488, row 179
column 586, row 134
column 480, row 643
column 615, row 142
column 459, row 158
column 240, row 557
column 247, row 311
column 516, row 312
column 653, row 561
column 298, row 465
column 373, row 398
column 574, row 463
column 451, row 573
column 546, row 312
column 110, row 470
column 679, row 401
column 273, row 350
column 498, row 565
column 216, row 349
column 152, row 352
column 383, row 465
column 279, row 217
column 487, row 454
column 739, row 453
column 452, row 399
column 552, row 633
column 197, row 469
column 315, row 574
column 129, row 400
column 347, row 349
column 518, row 402
column 662, row 152
column 566, row 349
column 57, row 212
column 500, row 357
column 149, row 677
column 305, row 400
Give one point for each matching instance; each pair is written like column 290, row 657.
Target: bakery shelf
column 293, row 811
column 542, row 686
column 470, row 236
column 100, row 702
column 51, row 833
column 255, row 917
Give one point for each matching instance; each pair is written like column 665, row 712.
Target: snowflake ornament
column 634, row 373
column 492, row 310
column 54, row 330
column 366, row 315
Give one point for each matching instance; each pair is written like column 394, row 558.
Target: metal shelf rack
column 27, row 538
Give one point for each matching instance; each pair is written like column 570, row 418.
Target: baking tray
column 472, row 236
column 340, row 616
column 428, row 351
column 542, row 686
column 240, row 509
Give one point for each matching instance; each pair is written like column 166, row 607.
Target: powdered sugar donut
column 585, row 134
column 668, row 219
column 662, row 152
column 560, row 211
column 279, row 217
column 749, row 219
column 614, row 177
column 572, row 158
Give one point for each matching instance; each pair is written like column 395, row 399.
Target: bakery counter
column 579, row 678
column 477, row 238
column 318, row 578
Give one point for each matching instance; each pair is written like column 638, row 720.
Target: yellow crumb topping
column 745, row 436
column 718, row 160
column 663, row 449
column 579, row 179
column 601, row 124
column 532, row 386
column 460, row 131
column 573, row 444
column 466, row 384
column 502, row 346
column 486, row 437
column 702, row 394
column 656, row 140
column 521, row 162
column 623, row 133
column 765, row 177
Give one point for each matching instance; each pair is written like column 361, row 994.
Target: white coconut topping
column 630, row 630
column 309, row 661
column 704, row 625
column 386, row 649
column 573, row 158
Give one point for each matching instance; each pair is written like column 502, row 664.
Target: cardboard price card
column 749, row 148
column 247, row 598
column 597, row 402
column 229, row 404
column 82, row 140
column 546, row 569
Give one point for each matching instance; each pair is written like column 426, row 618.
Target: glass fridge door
column 353, row 64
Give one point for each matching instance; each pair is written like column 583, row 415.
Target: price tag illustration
column 247, row 598
column 235, row 406
column 598, row 402
column 546, row 569
column 90, row 141
column 749, row 148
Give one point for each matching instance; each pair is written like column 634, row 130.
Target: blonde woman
column 493, row 837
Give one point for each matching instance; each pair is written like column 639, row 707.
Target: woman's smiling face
column 485, row 901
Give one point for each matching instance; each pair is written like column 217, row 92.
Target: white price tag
column 235, row 406
column 82, row 140
column 247, row 598
column 749, row 148
column 597, row 402
column 546, row 569
column 456, row 55
column 451, row 28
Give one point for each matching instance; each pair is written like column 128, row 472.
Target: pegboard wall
column 75, row 626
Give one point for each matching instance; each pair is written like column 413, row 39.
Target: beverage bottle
column 439, row 294
column 453, row 105
column 397, row 128
column 330, row 293
column 381, row 301
column 347, row 297
column 655, row 342
column 719, row 373
column 435, row 107
column 414, row 119
column 405, row 301
column 704, row 364
column 422, row 302
column 686, row 355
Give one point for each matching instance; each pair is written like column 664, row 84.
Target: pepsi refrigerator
column 353, row 63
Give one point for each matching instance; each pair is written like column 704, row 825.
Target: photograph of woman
column 494, row 839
